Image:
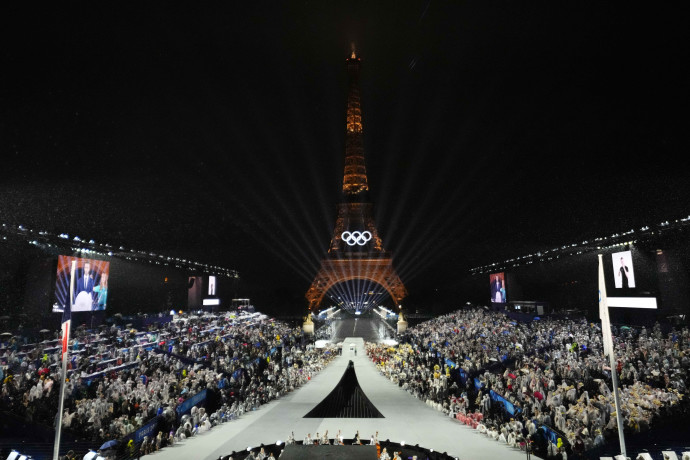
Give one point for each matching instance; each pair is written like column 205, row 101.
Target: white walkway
column 406, row 419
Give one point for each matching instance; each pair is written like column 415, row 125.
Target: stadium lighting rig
column 385, row 312
column 62, row 242
column 328, row 312
column 621, row 239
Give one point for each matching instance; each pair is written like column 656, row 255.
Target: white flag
column 604, row 312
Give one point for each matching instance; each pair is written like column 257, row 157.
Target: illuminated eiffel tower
column 356, row 251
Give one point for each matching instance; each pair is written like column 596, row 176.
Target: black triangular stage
column 347, row 400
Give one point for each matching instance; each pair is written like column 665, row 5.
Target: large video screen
column 498, row 287
column 194, row 291
column 212, row 286
column 90, row 287
column 630, row 280
column 623, row 270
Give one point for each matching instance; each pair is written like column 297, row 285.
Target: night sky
column 491, row 128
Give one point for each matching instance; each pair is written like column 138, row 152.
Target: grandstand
column 225, row 383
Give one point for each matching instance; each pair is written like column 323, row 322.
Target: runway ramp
column 406, row 419
column 368, row 329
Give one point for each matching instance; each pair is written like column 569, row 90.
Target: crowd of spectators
column 552, row 372
column 119, row 379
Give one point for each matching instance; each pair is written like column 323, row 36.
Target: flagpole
column 617, row 398
column 65, row 350
column 608, row 349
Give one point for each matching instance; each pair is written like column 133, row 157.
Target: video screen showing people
column 498, row 287
column 631, row 279
column 623, row 273
column 90, row 287
column 212, row 285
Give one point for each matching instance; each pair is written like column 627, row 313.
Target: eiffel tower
column 356, row 251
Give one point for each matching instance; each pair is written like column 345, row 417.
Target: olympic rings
column 359, row 238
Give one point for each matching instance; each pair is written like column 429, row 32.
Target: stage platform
column 296, row 452
column 405, row 419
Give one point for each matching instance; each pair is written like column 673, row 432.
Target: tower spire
column 356, row 252
column 355, row 175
